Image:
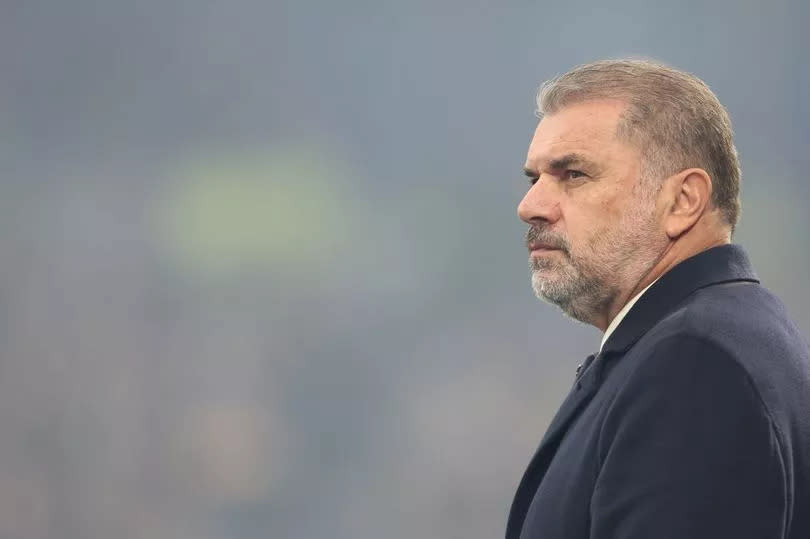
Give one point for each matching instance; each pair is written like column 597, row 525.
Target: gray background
column 261, row 270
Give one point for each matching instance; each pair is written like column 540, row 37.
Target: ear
column 688, row 195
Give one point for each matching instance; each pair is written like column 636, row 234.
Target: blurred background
column 262, row 274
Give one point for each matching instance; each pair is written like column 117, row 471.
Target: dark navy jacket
column 692, row 422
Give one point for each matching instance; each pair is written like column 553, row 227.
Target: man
column 693, row 420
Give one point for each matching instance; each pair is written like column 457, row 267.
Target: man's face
column 594, row 230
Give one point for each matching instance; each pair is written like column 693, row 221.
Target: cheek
column 587, row 225
column 611, row 208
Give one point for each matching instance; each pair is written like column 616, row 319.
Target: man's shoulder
column 730, row 329
column 739, row 317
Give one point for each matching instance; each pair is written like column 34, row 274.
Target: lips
column 537, row 246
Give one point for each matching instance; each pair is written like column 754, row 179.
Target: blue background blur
column 261, row 270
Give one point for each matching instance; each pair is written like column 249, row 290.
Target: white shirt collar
column 619, row 317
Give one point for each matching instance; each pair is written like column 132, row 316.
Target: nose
column 539, row 204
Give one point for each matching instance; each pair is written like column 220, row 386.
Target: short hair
column 672, row 116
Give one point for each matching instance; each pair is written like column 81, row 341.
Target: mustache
column 542, row 235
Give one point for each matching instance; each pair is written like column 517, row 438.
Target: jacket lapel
column 582, row 392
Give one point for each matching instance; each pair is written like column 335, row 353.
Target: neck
column 676, row 252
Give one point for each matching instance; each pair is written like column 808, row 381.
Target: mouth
column 539, row 249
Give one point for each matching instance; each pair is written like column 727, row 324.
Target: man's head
column 630, row 161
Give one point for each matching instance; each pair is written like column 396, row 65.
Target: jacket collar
column 722, row 264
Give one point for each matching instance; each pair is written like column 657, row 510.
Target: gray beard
column 585, row 286
column 583, row 294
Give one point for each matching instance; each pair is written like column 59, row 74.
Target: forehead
column 587, row 129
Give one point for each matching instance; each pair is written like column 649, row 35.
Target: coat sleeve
column 688, row 449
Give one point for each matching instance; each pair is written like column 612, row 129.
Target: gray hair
column 672, row 116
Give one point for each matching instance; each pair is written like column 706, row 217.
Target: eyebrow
column 562, row 162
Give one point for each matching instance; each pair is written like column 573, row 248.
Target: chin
column 550, row 292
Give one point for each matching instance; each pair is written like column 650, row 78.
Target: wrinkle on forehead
column 588, row 129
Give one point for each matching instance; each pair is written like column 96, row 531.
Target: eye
column 573, row 174
column 533, row 181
